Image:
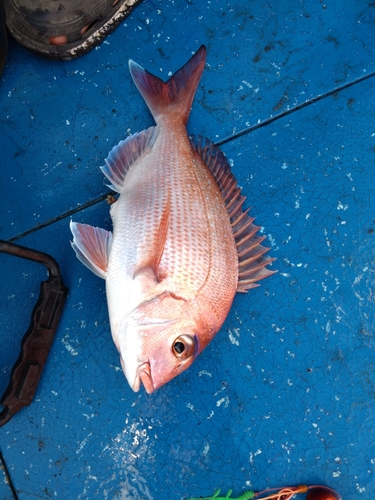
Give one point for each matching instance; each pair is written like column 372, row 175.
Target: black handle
column 38, row 339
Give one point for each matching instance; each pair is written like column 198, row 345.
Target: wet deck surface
column 285, row 392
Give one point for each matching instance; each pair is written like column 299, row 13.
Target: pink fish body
column 181, row 245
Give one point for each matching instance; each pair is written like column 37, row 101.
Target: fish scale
column 181, row 245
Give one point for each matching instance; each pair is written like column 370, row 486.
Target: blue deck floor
column 285, row 392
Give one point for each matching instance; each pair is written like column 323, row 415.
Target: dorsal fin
column 177, row 94
column 251, row 260
column 127, row 152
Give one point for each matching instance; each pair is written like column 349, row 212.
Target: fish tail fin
column 174, row 96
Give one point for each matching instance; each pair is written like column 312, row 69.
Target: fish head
column 158, row 340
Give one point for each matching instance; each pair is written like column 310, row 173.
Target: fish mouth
column 144, row 375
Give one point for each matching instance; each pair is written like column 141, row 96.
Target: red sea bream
column 181, row 246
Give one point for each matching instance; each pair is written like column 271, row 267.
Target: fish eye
column 184, row 346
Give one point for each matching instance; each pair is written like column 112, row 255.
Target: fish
column 182, row 245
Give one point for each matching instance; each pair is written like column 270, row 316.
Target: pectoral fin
column 148, row 267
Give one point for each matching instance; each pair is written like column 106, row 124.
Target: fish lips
column 144, row 376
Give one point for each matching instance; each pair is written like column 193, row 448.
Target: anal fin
column 91, row 245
